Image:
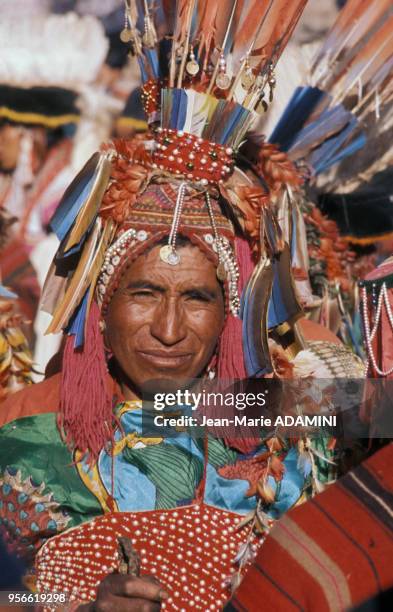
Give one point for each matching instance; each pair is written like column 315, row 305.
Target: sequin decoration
column 190, row 550
column 192, row 157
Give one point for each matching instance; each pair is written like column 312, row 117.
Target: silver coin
column 168, row 255
column 165, row 251
column 173, row 258
column 223, row 81
column 192, row 67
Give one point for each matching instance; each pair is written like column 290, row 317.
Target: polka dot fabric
column 190, row 550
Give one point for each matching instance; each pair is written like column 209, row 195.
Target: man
column 158, row 321
column 158, row 236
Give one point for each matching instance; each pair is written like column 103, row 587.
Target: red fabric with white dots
column 190, row 550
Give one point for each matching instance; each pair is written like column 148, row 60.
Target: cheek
column 207, row 326
column 123, row 322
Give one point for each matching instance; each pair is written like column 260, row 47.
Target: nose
column 169, row 325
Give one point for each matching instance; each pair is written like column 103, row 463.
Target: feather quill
column 77, row 285
column 254, row 307
column 92, row 203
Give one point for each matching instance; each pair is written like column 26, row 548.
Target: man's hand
column 128, row 594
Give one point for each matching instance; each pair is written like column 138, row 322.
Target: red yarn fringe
column 230, row 356
column 230, row 364
column 85, row 419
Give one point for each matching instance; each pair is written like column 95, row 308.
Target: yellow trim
column 138, row 124
column 93, row 482
column 37, row 118
column 128, row 406
column 131, row 440
column 368, row 240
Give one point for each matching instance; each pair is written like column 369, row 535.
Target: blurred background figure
column 15, row 356
column 132, row 119
column 53, row 114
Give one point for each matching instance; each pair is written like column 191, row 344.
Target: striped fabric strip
column 333, row 552
column 371, row 495
column 328, row 516
column 315, row 561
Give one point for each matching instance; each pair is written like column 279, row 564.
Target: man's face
column 164, row 321
column 10, row 136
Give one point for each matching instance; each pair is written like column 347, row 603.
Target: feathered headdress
column 207, row 70
column 350, row 78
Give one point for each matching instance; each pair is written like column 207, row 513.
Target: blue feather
column 152, row 58
column 76, row 326
column 322, row 157
column 356, row 144
column 330, row 122
column 299, row 109
column 253, row 313
column 142, row 68
column 74, row 198
column 179, row 109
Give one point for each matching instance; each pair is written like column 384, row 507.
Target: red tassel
column 230, row 356
column 230, row 364
column 86, row 419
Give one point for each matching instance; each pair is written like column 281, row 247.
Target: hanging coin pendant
column 223, row 81
column 165, row 251
column 168, row 255
column 248, row 79
column 192, row 67
column 221, row 274
column 173, row 258
column 126, row 35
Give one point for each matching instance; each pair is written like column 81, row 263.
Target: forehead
column 194, row 268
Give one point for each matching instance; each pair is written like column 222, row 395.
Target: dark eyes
column 197, row 296
column 142, row 292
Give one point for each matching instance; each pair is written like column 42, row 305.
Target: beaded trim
column 192, row 157
column 113, row 257
column 131, row 237
column 370, row 332
column 227, row 259
column 151, row 96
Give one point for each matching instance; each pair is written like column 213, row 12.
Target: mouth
column 165, row 360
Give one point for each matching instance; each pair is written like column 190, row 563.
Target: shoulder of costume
column 33, row 400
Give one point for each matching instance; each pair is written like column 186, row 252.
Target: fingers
column 131, row 586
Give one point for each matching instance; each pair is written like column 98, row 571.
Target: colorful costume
column 179, row 181
column 336, row 549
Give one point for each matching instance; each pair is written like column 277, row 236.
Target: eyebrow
column 204, row 291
